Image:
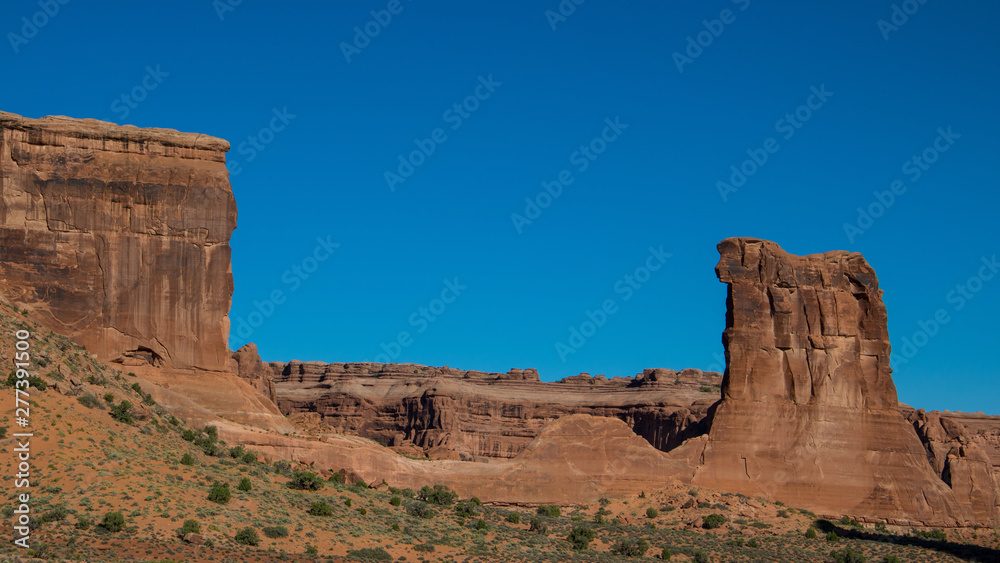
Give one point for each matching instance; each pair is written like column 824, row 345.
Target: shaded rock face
column 119, row 237
column 809, row 414
column 455, row 414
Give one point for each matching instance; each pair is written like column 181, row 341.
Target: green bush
column 137, row 388
column 811, row 533
column 249, row 458
column 482, row 525
column 123, row 413
column 438, row 494
column 189, row 527
column 109, row 398
column 362, row 510
column 236, row 452
column 652, row 513
column 700, row 556
column 372, row 554
column 247, row 536
column 82, row 523
column 321, row 508
column 538, row 526
column 188, row 435
column 337, row 477
column 311, row 549
column 848, row 555
column 549, row 511
column 187, row 459
column 891, row 559
column 220, row 493
column 665, row 555
column 89, row 401
column 753, row 543
column 244, row 485
column 580, row 537
column 54, row 515
column 213, row 433
column 713, row 521
column 832, row 536
column 420, row 510
column 275, row 532
column 113, row 522
column 931, row 534
column 305, row 481
column 631, row 548
column 476, row 501
column 396, row 500
column 466, row 510
column 514, row 518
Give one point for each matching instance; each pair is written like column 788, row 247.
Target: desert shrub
column 631, row 548
column 282, row 467
column 652, row 513
column 305, row 481
column 247, row 536
column 665, row 555
column 373, row 554
column 244, row 485
column 396, row 500
column 580, row 537
column 782, row 514
column 173, row 420
column 482, row 525
column 931, row 534
column 848, row 555
column 113, row 522
column 89, row 401
column 466, row 510
column 137, row 388
column 220, row 493
column 275, row 532
column 187, row 459
column 848, row 521
column 123, row 413
column 420, row 510
column 54, row 515
column 82, row 523
column 891, row 559
column 514, row 518
column 832, row 536
column 311, row 549
column 538, row 526
column 881, row 528
column 753, row 543
column 321, row 508
column 109, row 397
column 549, row 511
column 438, row 494
column 212, row 432
column 713, row 521
column 249, row 458
column 362, row 510
column 189, row 527
column 337, row 477
column 476, row 501
column 700, row 556
column 236, row 452
column 811, row 533
column 347, row 502
column 188, row 435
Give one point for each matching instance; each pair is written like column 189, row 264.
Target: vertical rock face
column 809, row 413
column 119, row 237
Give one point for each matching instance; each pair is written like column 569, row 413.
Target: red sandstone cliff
column 119, row 237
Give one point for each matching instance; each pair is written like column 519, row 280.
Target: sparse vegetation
column 580, row 537
column 247, row 536
column 220, row 493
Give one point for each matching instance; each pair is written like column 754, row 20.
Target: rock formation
column 472, row 415
column 119, row 237
column 809, row 413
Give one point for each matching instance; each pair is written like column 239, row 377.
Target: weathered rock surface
column 250, row 367
column 119, row 237
column 809, row 413
column 470, row 415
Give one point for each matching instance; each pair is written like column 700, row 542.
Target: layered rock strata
column 119, row 237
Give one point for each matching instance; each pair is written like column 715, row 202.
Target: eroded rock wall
column 119, row 237
column 809, row 413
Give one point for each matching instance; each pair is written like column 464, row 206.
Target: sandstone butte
column 119, row 237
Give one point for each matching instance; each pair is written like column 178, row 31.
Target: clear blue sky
column 543, row 93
